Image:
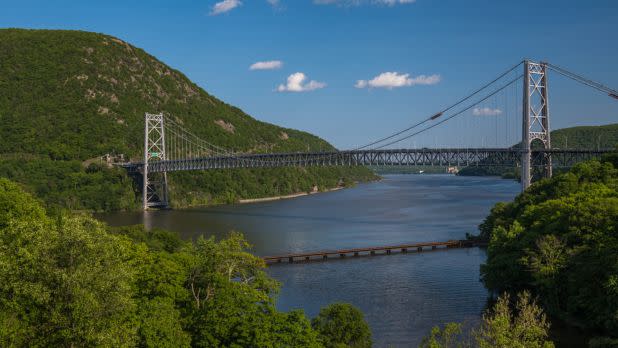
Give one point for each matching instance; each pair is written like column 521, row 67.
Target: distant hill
column 70, row 96
column 584, row 137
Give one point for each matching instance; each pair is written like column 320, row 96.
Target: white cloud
column 224, row 6
column 273, row 2
column 486, row 112
column 393, row 2
column 296, row 83
column 267, row 65
column 392, row 80
column 362, row 2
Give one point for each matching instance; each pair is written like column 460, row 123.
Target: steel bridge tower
column 535, row 119
column 154, row 190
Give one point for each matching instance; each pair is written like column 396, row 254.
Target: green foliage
column 586, row 137
column 156, row 239
column 70, row 96
column 560, row 238
column 68, row 185
column 342, row 325
column 230, row 185
column 63, row 281
column 448, row 337
column 524, row 327
column 69, row 280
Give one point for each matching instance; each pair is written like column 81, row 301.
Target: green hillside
column 70, row 96
column 584, row 137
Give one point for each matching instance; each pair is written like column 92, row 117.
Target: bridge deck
column 392, row 157
column 387, row 250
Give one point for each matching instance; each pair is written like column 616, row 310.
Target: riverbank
column 294, row 195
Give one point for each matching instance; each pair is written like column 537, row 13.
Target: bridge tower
column 535, row 119
column 155, row 194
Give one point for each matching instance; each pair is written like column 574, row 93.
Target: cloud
column 392, row 80
column 273, row 2
column 224, row 6
column 296, row 83
column 486, row 112
column 393, row 2
column 267, row 65
column 362, row 2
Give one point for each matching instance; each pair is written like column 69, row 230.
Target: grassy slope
column 67, row 96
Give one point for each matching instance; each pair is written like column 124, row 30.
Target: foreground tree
column 526, row 327
column 501, row 327
column 70, row 281
column 560, row 238
column 342, row 325
column 63, row 281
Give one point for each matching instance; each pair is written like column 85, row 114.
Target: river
column 403, row 295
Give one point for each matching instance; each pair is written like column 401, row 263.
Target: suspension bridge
column 519, row 128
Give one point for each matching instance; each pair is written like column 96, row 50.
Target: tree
column 231, row 300
column 501, row 327
column 342, row 325
column 449, row 337
column 64, row 281
column 559, row 239
column 72, row 281
column 527, row 327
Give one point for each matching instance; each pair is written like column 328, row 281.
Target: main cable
column 588, row 82
column 452, row 116
column 439, row 114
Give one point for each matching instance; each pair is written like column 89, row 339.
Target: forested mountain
column 70, row 96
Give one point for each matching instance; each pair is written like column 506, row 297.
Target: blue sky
column 446, row 47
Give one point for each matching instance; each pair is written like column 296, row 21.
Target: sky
column 351, row 71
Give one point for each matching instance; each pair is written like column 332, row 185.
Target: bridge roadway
column 372, row 251
column 460, row 157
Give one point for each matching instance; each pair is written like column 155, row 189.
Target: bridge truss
column 561, row 158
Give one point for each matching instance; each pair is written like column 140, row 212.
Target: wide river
column 404, row 295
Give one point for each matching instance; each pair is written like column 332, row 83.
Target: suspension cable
column 452, row 116
column 588, row 82
column 439, row 114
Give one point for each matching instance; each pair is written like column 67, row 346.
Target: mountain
column 583, row 137
column 69, row 97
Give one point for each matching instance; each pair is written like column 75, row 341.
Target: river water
column 403, row 295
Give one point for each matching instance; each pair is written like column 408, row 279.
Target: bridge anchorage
column 170, row 147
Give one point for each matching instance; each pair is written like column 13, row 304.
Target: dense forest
column 559, row 239
column 585, row 137
column 69, row 97
column 70, row 281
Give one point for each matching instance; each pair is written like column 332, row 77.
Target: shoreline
column 282, row 197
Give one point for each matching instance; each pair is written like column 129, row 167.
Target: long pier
column 370, row 251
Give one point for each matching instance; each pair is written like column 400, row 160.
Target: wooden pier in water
column 370, row 251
